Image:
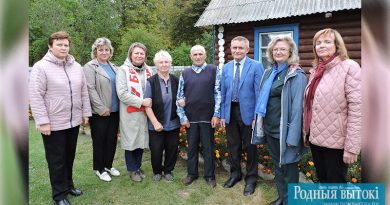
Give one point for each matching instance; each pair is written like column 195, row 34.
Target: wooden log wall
column 347, row 22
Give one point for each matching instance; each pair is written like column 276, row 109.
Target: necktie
column 236, row 83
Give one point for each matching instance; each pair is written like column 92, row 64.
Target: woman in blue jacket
column 279, row 112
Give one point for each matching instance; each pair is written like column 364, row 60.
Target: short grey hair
column 160, row 55
column 198, row 47
column 293, row 50
column 103, row 41
column 241, row 38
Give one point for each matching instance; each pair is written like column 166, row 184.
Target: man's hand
column 222, row 122
column 147, row 102
column 185, row 124
column 182, row 102
column 214, row 122
column 349, row 157
column 45, row 129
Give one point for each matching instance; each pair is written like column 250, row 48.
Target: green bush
column 181, row 55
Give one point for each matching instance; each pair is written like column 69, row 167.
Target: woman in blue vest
column 163, row 123
column 279, row 113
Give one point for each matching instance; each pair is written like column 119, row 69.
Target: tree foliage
column 159, row 24
column 152, row 42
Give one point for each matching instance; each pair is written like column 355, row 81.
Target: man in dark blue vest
column 198, row 100
column 239, row 92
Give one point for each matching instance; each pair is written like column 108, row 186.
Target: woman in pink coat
column 332, row 108
column 59, row 104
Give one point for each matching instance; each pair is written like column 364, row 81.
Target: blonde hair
column 341, row 50
column 293, row 50
column 101, row 42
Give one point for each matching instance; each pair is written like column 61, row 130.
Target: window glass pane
column 265, row 39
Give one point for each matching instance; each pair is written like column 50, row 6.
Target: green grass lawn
column 121, row 190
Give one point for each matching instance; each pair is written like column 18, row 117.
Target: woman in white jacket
column 131, row 80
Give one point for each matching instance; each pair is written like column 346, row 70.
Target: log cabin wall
column 348, row 23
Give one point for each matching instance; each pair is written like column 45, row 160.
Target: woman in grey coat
column 279, row 113
column 131, row 79
column 101, row 81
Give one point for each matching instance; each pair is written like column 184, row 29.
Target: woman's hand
column 147, row 102
column 158, row 126
column 85, row 121
column 349, row 157
column 107, row 113
column 45, row 129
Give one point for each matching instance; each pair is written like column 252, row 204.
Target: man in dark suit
column 239, row 91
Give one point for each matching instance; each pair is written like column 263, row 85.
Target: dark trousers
column 284, row 174
column 329, row 164
column 159, row 142
column 104, row 131
column 203, row 133
column 239, row 140
column 60, row 150
column 133, row 159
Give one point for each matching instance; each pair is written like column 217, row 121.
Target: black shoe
column 278, row 201
column 188, row 180
column 231, row 182
column 75, row 192
column 62, row 202
column 249, row 189
column 211, row 182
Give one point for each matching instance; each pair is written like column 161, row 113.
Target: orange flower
column 266, row 157
column 308, row 174
column 217, row 140
column 353, row 180
column 226, row 154
column 217, row 154
column 269, row 171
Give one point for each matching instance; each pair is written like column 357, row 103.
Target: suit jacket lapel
column 245, row 70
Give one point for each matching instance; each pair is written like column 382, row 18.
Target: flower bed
column 306, row 165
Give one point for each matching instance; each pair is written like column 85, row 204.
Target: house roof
column 238, row 11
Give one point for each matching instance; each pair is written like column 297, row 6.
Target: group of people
column 277, row 106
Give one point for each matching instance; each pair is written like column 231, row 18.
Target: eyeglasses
column 283, row 50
